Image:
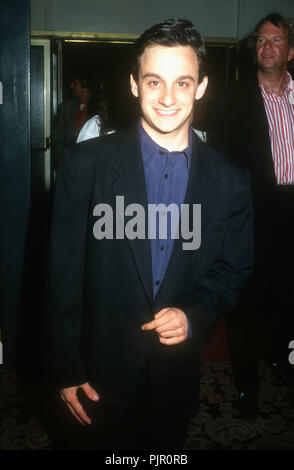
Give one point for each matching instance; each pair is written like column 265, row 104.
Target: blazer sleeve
column 66, row 267
column 218, row 289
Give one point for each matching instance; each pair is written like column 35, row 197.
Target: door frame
column 47, row 109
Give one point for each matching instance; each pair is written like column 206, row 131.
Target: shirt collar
column 271, row 94
column 151, row 149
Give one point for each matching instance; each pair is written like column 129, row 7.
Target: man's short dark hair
column 85, row 79
column 171, row 32
column 277, row 20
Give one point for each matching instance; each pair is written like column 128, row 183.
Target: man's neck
column 274, row 81
column 173, row 142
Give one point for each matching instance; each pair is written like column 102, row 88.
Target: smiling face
column 167, row 87
column 272, row 49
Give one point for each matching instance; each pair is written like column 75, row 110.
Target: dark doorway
column 110, row 62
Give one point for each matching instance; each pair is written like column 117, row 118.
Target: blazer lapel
column 201, row 189
column 129, row 181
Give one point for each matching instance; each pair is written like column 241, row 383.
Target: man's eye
column 182, row 84
column 154, row 83
column 260, row 40
column 277, row 40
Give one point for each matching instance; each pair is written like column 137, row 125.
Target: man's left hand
column 170, row 324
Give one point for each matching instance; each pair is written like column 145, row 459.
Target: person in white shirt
column 99, row 123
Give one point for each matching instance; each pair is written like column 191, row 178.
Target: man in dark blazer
column 129, row 311
column 249, row 123
column 71, row 116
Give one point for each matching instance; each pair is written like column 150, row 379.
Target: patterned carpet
column 217, row 426
column 20, row 428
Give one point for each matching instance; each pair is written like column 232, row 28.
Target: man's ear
column 134, row 86
column 201, row 88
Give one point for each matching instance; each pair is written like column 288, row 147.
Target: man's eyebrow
column 156, row 75
column 151, row 75
column 186, row 77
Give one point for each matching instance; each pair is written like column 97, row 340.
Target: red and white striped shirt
column 280, row 116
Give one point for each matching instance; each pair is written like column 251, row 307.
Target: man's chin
column 268, row 65
column 166, row 128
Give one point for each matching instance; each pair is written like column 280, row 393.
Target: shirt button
column 157, row 283
column 161, row 248
column 166, row 176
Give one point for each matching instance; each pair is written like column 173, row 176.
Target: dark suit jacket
column 63, row 131
column 238, row 128
column 101, row 291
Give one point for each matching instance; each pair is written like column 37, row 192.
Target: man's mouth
column 165, row 112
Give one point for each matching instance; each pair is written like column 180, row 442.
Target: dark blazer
column 238, row 127
column 63, row 130
column 101, row 291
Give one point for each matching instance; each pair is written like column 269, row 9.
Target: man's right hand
column 69, row 396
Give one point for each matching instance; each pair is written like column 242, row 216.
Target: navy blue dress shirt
column 166, row 177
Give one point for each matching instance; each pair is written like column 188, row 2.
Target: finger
column 90, row 392
column 154, row 324
column 69, row 393
column 171, row 325
column 67, row 401
column 71, row 409
column 172, row 333
column 167, row 321
column 162, row 312
column 172, row 328
column 70, row 397
column 157, row 322
column 172, row 341
column 149, row 326
column 79, row 412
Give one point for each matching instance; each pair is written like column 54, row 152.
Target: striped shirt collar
column 272, row 95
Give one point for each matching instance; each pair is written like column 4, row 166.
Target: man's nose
column 167, row 97
column 267, row 44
